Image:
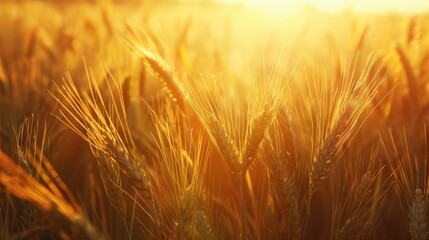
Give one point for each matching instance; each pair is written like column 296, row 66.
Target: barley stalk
column 324, row 160
column 161, row 70
column 192, row 219
column 225, row 143
column 356, row 96
column 418, row 216
column 136, row 174
column 411, row 181
column 293, row 214
column 413, row 87
column 281, row 160
column 255, row 136
column 185, row 163
column 19, row 183
column 354, row 226
column 170, row 86
column 112, row 182
column 138, row 177
column 26, row 135
column 106, row 130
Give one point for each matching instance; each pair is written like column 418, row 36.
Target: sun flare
column 335, row 6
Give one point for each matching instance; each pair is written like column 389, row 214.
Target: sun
column 329, row 5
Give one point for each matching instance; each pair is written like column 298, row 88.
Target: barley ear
column 192, row 218
column 292, row 205
column 67, row 216
column 166, row 76
column 225, row 143
column 111, row 179
column 256, row 135
column 136, row 174
column 418, row 216
column 323, row 162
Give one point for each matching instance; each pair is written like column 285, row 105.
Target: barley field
column 209, row 120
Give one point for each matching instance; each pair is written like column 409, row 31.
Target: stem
column 242, row 204
column 180, row 228
column 156, row 226
column 307, row 217
column 277, row 216
column 124, row 221
column 156, row 218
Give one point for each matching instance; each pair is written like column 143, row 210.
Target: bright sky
column 373, row 5
column 406, row 6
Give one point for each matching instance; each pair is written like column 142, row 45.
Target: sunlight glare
column 335, row 6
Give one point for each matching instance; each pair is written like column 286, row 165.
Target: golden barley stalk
column 410, row 174
column 292, row 205
column 184, row 162
column 111, row 178
column 256, row 135
column 360, row 209
column 24, row 138
column 192, row 219
column 165, row 76
column 324, row 160
column 19, row 183
column 413, row 89
column 284, row 190
column 225, row 144
column 101, row 125
column 418, row 216
column 136, row 174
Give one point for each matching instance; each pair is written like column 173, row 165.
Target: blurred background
column 44, row 42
